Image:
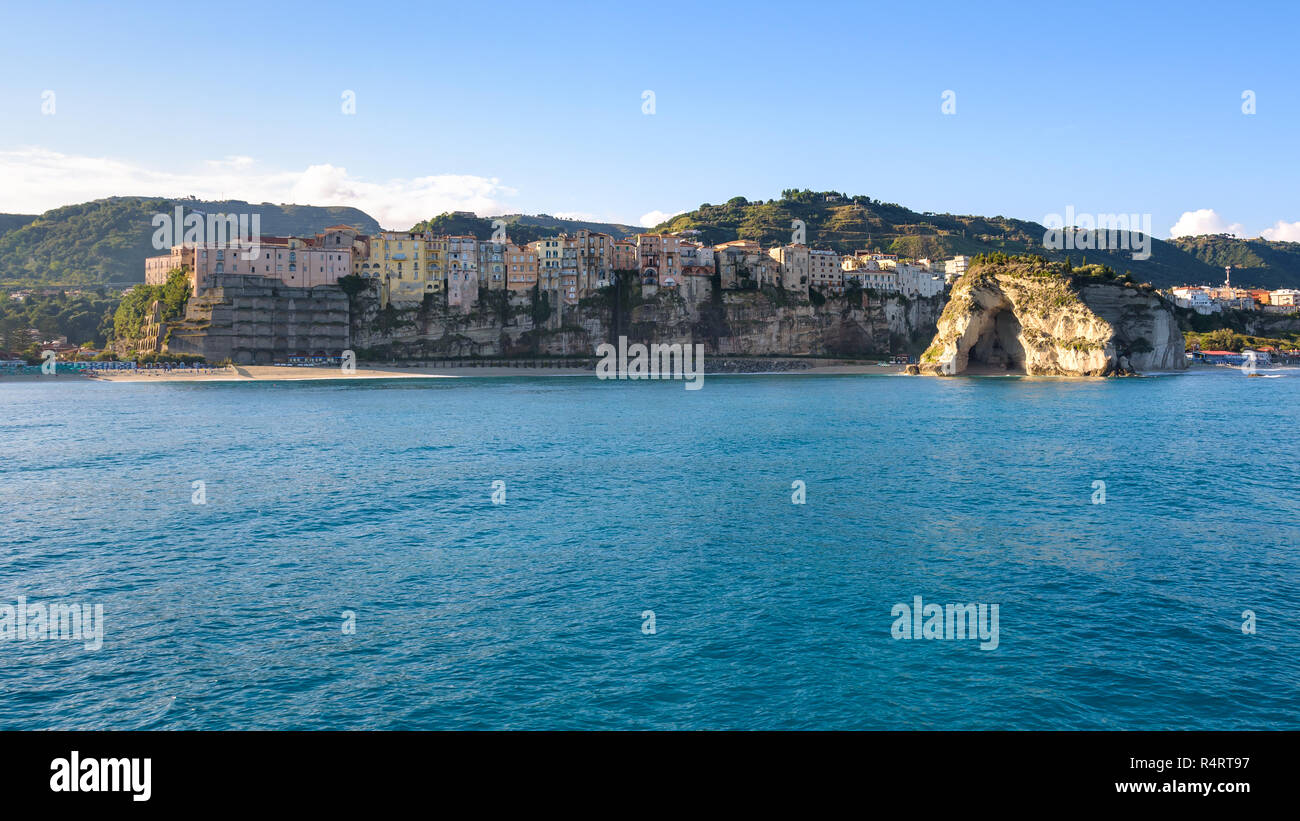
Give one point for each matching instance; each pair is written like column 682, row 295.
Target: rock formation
column 737, row 323
column 252, row 320
column 1026, row 315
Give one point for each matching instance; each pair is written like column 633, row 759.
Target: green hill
column 520, row 228
column 557, row 225
column 12, row 222
column 106, row 241
column 1255, row 262
column 846, row 224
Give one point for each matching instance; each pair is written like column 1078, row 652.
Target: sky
column 633, row 112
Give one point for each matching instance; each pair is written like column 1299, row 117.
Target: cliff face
column 1031, row 318
column 252, row 320
column 738, row 323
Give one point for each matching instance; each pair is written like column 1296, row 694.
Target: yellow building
column 407, row 264
column 435, row 262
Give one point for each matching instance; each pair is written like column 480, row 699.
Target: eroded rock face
column 1022, row 319
column 744, row 324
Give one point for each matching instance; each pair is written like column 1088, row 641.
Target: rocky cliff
column 751, row 323
column 1030, row 316
column 252, row 320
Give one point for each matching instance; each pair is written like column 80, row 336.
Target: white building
column 1284, row 296
column 1197, row 299
column 879, row 279
column 913, row 280
column 955, row 267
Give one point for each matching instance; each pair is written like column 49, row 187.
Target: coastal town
column 409, row 268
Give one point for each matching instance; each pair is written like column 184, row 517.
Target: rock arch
column 1027, row 320
column 992, row 341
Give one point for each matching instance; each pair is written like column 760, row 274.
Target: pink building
column 623, row 255
column 303, row 262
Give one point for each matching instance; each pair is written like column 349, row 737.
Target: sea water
column 565, row 552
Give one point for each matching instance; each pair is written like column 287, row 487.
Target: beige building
column 521, row 267
column 742, row 263
column 794, row 261
column 624, row 255
column 595, row 260
column 157, row 269
column 658, row 258
column 550, row 261
column 696, row 259
column 824, row 271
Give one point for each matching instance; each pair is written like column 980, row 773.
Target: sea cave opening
column 998, row 349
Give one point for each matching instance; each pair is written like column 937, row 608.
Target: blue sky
column 507, row 106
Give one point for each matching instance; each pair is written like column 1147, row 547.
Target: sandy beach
column 273, row 373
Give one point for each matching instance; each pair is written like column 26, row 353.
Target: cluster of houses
column 1262, row 356
column 1208, row 299
column 408, row 265
column 59, row 344
column 23, row 294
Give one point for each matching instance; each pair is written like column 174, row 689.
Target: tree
column 129, row 319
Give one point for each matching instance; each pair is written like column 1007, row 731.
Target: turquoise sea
column 375, row 497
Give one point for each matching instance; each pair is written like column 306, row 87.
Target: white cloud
column 1204, row 221
column 37, row 179
column 1282, row 232
column 231, row 161
column 653, row 218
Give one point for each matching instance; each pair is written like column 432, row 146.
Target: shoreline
column 276, row 373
